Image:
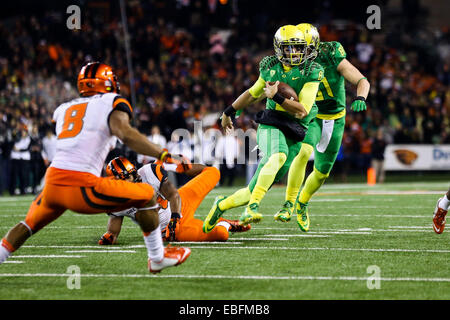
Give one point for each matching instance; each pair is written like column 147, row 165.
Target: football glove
column 174, row 219
column 359, row 104
column 183, row 163
column 107, row 239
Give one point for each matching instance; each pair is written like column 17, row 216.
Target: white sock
column 444, row 203
column 4, row 254
column 154, row 244
column 224, row 224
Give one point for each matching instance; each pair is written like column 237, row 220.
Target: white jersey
column 154, row 175
column 83, row 135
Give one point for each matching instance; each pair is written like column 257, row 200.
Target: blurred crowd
column 193, row 60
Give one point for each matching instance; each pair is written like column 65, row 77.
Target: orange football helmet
column 122, row 168
column 96, row 77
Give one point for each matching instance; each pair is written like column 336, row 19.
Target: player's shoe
column 439, row 218
column 173, row 256
column 235, row 226
column 107, row 239
column 213, row 216
column 250, row 214
column 284, row 214
column 302, row 215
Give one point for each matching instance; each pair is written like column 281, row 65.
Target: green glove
column 359, row 104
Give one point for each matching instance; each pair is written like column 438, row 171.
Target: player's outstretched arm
column 119, row 124
column 243, row 101
column 355, row 77
column 196, row 169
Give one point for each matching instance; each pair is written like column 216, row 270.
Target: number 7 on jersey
column 73, row 121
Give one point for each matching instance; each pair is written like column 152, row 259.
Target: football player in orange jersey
column 87, row 128
column 176, row 214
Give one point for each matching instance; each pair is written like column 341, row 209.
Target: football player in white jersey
column 176, row 215
column 87, row 128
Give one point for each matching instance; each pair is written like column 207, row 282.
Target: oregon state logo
column 405, row 156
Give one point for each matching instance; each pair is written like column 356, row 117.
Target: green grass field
column 353, row 227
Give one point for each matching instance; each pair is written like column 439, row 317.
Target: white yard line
column 325, row 248
column 259, row 239
column 100, row 251
column 318, row 232
column 228, row 277
column 47, row 256
column 13, row 261
column 213, row 246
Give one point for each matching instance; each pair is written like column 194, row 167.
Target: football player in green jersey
column 325, row 132
column 282, row 125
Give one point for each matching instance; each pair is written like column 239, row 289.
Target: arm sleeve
column 308, row 94
column 122, row 104
column 257, row 89
column 159, row 172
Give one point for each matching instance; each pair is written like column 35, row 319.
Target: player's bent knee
column 306, row 150
column 279, row 158
column 214, row 173
column 221, row 233
column 320, row 175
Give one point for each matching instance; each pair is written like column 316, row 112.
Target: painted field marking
column 228, row 242
column 13, row 261
column 261, row 239
column 409, row 227
column 100, row 251
column 319, row 233
column 228, row 277
column 202, row 246
column 52, row 256
column 112, row 248
column 330, row 249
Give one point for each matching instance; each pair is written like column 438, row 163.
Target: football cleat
column 107, row 239
column 302, row 216
column 173, row 256
column 235, row 226
column 439, row 218
column 213, row 216
column 284, row 214
column 250, row 214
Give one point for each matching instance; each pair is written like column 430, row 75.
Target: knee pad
column 221, row 233
column 213, row 173
column 321, row 176
column 278, row 158
column 306, row 150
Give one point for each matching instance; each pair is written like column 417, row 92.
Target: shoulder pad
column 268, row 62
column 328, row 53
column 313, row 69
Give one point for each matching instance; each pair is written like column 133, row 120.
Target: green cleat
column 284, row 214
column 250, row 214
column 213, row 216
column 302, row 215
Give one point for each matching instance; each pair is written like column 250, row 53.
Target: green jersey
column 271, row 69
column 331, row 96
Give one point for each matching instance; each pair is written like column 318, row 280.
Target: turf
column 353, row 226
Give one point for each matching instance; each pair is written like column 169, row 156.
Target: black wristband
column 278, row 98
column 360, row 98
column 175, row 215
column 229, row 111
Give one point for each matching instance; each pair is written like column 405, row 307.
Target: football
column 286, row 90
